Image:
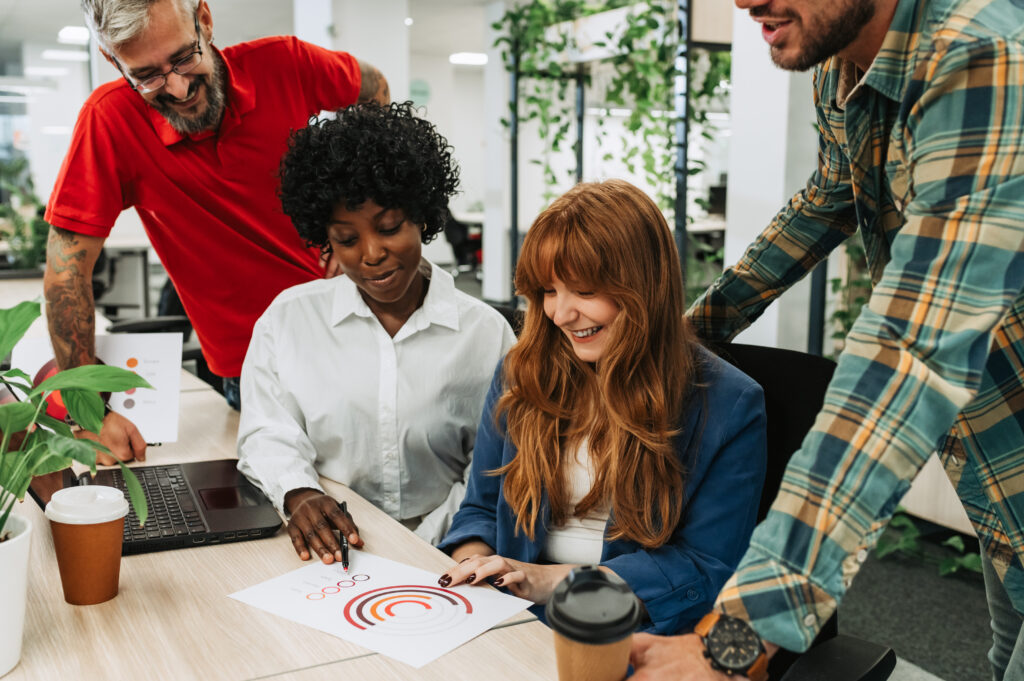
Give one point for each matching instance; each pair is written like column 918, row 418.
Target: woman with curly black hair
column 375, row 379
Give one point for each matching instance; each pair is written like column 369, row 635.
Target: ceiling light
column 468, row 58
column 73, row 35
column 46, row 71
column 65, row 55
column 408, row 21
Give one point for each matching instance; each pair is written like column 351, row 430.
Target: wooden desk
column 173, row 619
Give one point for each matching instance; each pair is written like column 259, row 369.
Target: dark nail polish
column 469, row 580
column 499, row 581
column 445, row 580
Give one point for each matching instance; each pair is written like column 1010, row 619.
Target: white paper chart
column 388, row 607
column 154, row 356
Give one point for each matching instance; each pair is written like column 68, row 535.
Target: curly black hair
column 382, row 153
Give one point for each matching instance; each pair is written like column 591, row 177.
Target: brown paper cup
column 89, row 560
column 588, row 662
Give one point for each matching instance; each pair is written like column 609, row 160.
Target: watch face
column 733, row 645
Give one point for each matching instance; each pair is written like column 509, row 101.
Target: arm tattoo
column 374, row 87
column 70, row 310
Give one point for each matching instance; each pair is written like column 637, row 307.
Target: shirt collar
column 439, row 306
column 241, row 98
column 891, row 69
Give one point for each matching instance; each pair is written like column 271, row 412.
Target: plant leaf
column 56, row 425
column 956, row 542
column 83, row 451
column 16, row 416
column 50, row 462
column 85, row 407
column 16, row 373
column 96, row 377
column 14, row 322
column 135, row 494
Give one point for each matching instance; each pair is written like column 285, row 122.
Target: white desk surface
column 173, row 620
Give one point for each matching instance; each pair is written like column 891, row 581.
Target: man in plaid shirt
column 920, row 109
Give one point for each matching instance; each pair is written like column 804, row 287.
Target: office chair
column 794, row 386
column 512, row 315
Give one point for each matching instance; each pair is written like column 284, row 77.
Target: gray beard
column 209, row 119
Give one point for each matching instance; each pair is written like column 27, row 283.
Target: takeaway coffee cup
column 87, row 523
column 593, row 614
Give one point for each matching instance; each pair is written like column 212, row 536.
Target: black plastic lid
column 593, row 606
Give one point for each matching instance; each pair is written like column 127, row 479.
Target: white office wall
column 51, row 115
column 467, row 135
column 497, row 272
column 772, row 152
column 376, row 32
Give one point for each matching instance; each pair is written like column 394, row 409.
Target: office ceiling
column 439, row 26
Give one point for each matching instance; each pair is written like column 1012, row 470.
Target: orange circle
column 132, row 362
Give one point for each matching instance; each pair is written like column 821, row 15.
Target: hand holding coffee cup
column 593, row 614
column 87, row 524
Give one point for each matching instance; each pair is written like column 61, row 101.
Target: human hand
column 672, row 658
column 314, row 517
column 525, row 580
column 120, row 436
column 330, row 265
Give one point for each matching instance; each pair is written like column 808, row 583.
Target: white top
column 326, row 391
column 579, row 541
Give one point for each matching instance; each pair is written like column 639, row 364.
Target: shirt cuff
column 782, row 606
column 286, row 483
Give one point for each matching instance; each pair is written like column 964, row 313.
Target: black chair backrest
column 794, row 386
column 512, row 315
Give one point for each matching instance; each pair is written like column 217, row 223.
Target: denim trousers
column 1007, row 653
column 233, row 392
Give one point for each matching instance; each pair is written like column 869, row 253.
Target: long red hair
column 609, row 238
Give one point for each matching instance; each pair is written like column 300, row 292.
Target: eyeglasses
column 181, row 67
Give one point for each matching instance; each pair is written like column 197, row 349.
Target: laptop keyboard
column 172, row 511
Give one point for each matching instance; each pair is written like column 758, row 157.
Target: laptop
column 190, row 504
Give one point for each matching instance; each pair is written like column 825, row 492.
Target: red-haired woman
column 609, row 436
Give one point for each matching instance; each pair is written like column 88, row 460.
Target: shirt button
column 862, row 555
column 692, row 594
column 810, row 620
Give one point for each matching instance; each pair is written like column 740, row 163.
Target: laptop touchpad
column 218, row 498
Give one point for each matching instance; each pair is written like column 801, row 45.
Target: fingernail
column 499, row 581
column 445, row 580
column 469, row 580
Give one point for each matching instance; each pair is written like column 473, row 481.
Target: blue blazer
column 722, row 449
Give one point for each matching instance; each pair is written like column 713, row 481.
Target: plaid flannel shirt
column 924, row 153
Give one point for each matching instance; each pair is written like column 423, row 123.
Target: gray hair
column 115, row 22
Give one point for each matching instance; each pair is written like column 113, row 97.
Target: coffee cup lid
column 593, row 606
column 86, row 505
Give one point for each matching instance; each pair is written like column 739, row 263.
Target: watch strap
column 757, row 671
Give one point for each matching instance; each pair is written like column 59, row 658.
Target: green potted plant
column 33, row 443
column 22, row 227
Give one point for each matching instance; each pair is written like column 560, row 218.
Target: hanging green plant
column 535, row 39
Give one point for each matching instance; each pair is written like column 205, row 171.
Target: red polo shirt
column 208, row 202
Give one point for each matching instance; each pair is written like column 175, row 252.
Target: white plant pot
column 13, row 587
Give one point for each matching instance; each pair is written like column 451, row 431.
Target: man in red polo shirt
column 191, row 138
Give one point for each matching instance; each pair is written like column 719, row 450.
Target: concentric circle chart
column 407, row 610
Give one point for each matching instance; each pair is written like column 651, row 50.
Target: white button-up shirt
column 326, row 391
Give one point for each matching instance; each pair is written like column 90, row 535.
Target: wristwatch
column 732, row 646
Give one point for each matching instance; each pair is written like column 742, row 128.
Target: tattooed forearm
column 374, row 87
column 70, row 309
